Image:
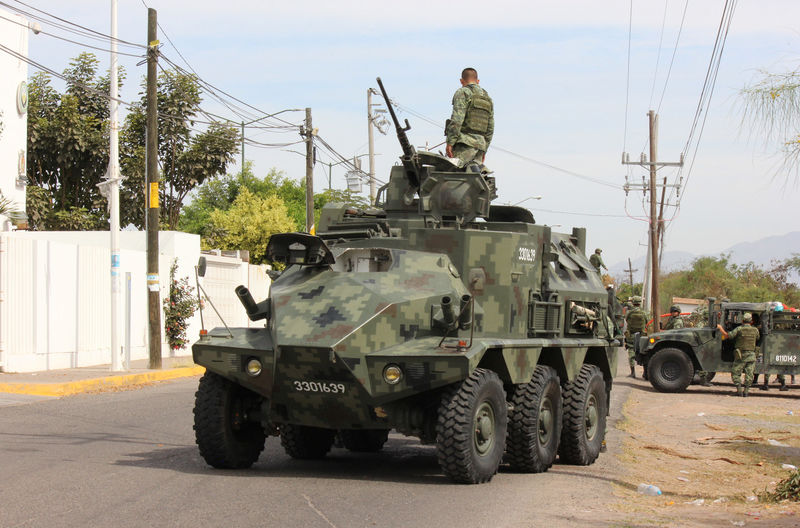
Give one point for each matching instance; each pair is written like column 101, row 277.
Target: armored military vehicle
column 672, row 357
column 435, row 314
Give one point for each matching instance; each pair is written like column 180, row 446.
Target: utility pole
column 630, row 271
column 309, row 133
column 372, row 121
column 113, row 179
column 153, row 210
column 371, row 148
column 655, row 220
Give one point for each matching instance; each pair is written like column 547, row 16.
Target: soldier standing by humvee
column 675, row 320
column 637, row 321
column 471, row 127
column 745, row 336
column 596, row 260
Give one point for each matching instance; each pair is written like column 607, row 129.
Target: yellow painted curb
column 78, row 387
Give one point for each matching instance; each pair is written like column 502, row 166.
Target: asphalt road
column 129, row 459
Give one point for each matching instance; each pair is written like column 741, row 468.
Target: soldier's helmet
column 598, row 250
column 747, row 318
column 636, row 300
column 674, row 308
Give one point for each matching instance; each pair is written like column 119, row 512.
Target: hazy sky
column 557, row 72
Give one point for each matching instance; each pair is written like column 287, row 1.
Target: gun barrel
column 409, row 154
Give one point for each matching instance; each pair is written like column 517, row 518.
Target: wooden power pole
column 655, row 219
column 630, row 271
column 153, row 210
column 309, row 133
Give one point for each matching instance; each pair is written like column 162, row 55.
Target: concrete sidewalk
column 88, row 379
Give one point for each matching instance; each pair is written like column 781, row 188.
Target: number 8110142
column 319, row 386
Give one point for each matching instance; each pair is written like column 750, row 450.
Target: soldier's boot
column 746, row 390
column 738, row 390
column 706, row 383
column 764, row 387
column 783, row 388
column 633, row 372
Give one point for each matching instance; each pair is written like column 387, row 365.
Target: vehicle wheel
column 534, row 426
column 305, row 442
column 670, row 370
column 585, row 409
column 364, row 440
column 471, row 428
column 226, row 438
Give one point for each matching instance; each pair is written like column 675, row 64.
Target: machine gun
column 411, row 163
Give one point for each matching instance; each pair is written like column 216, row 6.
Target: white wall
column 13, row 140
column 55, row 295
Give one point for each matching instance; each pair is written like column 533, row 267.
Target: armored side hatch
column 299, row 248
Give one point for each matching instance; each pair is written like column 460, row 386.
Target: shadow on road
column 402, row 460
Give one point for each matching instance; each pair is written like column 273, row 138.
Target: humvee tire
column 225, row 438
column 585, row 409
column 364, row 440
column 471, row 428
column 534, row 426
column 305, row 442
column 670, row 370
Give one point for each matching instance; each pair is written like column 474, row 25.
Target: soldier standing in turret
column 745, row 336
column 471, row 127
column 637, row 321
column 596, row 260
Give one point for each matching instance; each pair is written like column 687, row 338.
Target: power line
column 658, row 55
column 520, row 156
column 674, row 51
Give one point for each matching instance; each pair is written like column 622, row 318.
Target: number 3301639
column 319, row 386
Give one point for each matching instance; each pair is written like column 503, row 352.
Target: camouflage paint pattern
column 779, row 342
column 534, row 296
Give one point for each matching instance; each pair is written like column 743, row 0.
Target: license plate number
column 326, row 387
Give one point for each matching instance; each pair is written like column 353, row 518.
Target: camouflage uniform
column 596, row 260
column 674, row 322
column 637, row 320
column 745, row 337
column 471, row 127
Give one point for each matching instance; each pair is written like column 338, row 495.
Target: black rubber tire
column 364, row 440
column 585, row 410
column 471, row 428
column 227, row 440
column 534, row 426
column 670, row 370
column 306, row 443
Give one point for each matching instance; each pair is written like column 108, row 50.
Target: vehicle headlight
column 392, row 374
column 253, row 367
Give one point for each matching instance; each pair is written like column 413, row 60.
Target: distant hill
column 761, row 252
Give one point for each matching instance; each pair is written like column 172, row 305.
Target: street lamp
column 528, row 198
column 256, row 121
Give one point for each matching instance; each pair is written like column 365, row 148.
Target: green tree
column 187, row 158
column 771, row 105
column 248, row 224
column 68, row 145
column 718, row 277
column 222, row 192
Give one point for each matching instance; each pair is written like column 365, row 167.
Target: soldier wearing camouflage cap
column 745, row 337
column 471, row 126
column 637, row 322
column 597, row 261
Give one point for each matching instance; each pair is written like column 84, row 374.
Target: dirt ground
column 710, row 452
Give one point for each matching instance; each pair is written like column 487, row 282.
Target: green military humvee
column 434, row 314
column 671, row 357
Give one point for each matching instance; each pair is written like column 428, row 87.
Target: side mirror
column 201, row 267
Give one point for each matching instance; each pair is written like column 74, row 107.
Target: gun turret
column 410, row 160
